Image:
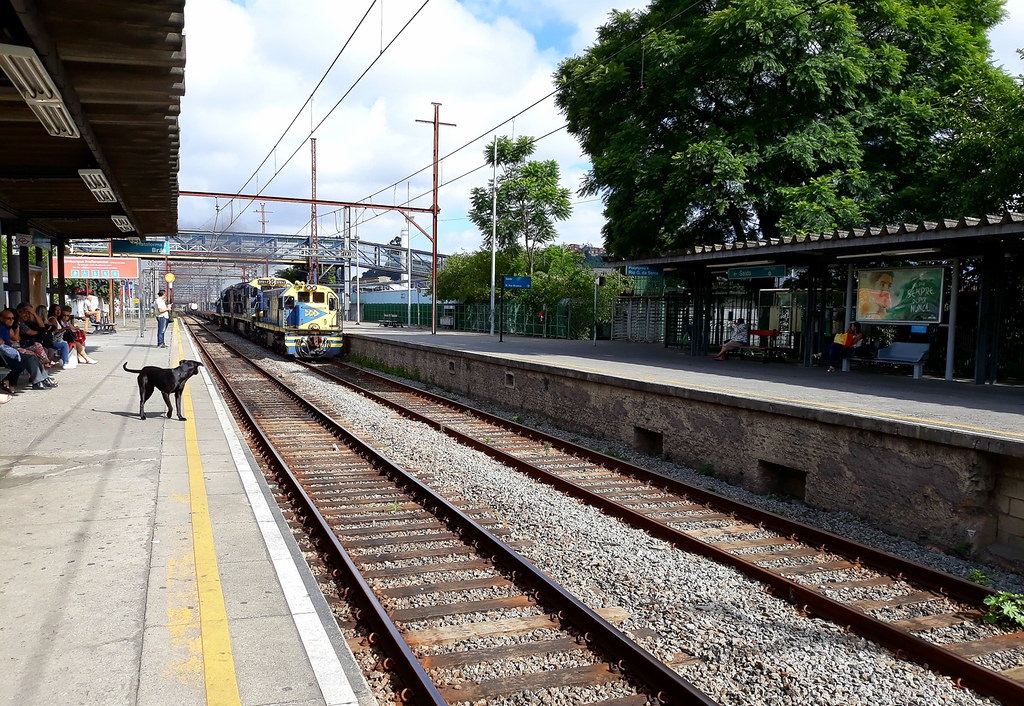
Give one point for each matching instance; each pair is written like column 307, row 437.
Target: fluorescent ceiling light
column 27, row 73
column 97, row 182
column 859, row 256
column 920, row 251
column 123, row 223
column 750, row 263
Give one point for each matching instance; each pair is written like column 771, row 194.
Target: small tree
column 530, row 200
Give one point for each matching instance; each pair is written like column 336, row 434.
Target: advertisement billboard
column 900, row 295
column 99, row 267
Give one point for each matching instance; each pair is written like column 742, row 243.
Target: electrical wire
column 335, row 106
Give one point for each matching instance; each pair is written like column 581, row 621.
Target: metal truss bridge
column 267, row 248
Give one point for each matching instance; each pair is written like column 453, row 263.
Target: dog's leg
column 177, row 401
column 167, row 401
column 145, row 392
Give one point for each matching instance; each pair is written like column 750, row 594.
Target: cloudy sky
column 251, row 66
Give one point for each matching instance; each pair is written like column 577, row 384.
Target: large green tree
column 529, row 202
column 735, row 119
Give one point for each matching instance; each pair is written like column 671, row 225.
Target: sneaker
column 38, row 386
column 49, row 382
column 91, row 361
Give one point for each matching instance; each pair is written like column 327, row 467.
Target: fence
column 570, row 318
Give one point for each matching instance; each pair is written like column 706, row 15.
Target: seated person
column 92, row 308
column 65, row 326
column 738, row 339
column 33, row 330
column 21, row 363
column 837, row 351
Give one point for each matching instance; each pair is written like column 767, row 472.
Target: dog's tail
column 130, row 370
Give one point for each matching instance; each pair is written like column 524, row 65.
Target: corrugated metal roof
column 119, row 68
column 948, row 237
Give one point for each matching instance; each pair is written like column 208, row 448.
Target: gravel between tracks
column 748, row 647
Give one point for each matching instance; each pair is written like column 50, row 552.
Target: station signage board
column 98, row 267
column 643, row 271
column 127, row 247
column 509, row 282
column 757, row 272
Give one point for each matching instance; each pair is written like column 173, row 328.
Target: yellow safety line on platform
column 218, row 660
column 824, row 405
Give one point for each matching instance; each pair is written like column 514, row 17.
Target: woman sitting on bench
column 837, row 351
column 737, row 340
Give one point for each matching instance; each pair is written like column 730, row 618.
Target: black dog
column 167, row 380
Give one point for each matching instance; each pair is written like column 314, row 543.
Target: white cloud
column 250, row 68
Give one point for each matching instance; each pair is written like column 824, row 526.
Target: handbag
column 68, row 335
column 844, row 339
column 79, row 336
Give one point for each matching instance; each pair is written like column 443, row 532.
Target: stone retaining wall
column 958, row 491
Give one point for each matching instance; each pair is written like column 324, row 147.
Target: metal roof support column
column 954, row 292
column 848, row 314
column 62, row 283
column 986, row 354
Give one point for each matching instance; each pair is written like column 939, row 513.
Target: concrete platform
column 985, row 410
column 144, row 562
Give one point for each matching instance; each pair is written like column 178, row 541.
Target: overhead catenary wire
column 519, row 113
column 334, row 107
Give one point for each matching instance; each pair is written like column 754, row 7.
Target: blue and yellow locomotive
column 303, row 320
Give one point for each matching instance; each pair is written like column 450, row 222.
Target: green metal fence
column 570, row 318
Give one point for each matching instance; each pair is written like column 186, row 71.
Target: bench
column 390, row 320
column 104, row 326
column 914, row 354
column 766, row 348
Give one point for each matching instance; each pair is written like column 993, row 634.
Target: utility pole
column 434, row 211
column 262, row 210
column 314, row 237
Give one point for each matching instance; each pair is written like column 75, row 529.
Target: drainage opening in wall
column 783, row 480
column 510, row 380
column 648, row 441
column 451, row 366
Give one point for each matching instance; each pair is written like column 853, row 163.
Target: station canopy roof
column 923, row 241
column 90, row 94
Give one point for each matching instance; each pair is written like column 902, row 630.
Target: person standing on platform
column 163, row 317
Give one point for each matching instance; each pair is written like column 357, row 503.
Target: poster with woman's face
column 900, row 294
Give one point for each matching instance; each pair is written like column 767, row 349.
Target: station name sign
column 643, row 271
column 127, row 247
column 757, row 272
column 509, row 282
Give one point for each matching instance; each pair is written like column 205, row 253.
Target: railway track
column 920, row 614
column 457, row 614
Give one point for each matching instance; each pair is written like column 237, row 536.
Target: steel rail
column 669, row 686
column 405, row 663
column 902, row 642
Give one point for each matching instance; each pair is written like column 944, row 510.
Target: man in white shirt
column 163, row 317
column 92, row 308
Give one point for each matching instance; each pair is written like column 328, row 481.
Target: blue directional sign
column 517, row 282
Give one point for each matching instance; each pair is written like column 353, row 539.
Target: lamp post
column 598, row 282
column 494, row 223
